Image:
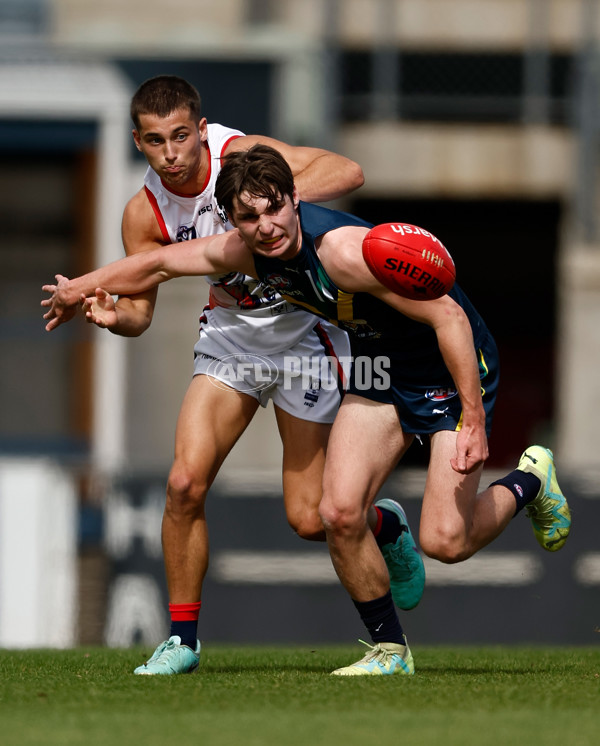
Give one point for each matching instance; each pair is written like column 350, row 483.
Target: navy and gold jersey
column 371, row 323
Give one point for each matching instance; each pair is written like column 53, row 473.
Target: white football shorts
column 306, row 380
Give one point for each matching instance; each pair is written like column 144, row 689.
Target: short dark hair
column 163, row 95
column 261, row 171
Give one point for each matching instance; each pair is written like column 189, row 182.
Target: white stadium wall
column 38, row 555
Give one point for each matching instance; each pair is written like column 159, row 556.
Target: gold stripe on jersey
column 345, row 306
column 292, row 299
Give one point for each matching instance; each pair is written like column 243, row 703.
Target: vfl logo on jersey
column 186, row 233
column 221, row 213
column 278, row 281
column 441, row 394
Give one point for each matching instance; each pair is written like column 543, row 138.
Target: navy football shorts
column 429, row 402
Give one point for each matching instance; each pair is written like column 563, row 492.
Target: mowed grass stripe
column 258, row 696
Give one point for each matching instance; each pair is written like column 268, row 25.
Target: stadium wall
column 265, row 585
column 38, row 554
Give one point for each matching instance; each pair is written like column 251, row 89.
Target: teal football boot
column 404, row 562
column 171, row 657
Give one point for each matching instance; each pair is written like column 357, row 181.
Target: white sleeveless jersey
column 249, row 313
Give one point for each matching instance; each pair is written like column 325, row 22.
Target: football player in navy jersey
column 443, row 375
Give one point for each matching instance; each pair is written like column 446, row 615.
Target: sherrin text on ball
column 409, row 260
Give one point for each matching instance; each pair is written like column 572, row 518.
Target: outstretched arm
column 143, row 271
column 319, row 175
column 127, row 316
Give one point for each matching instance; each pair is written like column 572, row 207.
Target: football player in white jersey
column 242, row 320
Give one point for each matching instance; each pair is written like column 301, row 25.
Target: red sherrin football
column 409, row 260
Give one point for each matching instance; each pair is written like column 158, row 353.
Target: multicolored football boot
column 383, row 659
column 549, row 511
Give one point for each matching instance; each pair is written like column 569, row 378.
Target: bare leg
column 304, row 449
column 365, row 444
column 210, row 422
column 456, row 521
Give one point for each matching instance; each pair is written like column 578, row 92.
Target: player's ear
column 137, row 139
column 295, row 198
column 203, row 129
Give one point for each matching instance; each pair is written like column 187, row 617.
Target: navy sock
column 524, row 486
column 388, row 527
column 381, row 620
column 187, row 630
column 184, row 622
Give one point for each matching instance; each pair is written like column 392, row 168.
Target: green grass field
column 250, row 696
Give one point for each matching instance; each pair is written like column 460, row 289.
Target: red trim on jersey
column 185, row 612
column 161, row 221
column 227, row 144
column 167, row 188
column 223, row 149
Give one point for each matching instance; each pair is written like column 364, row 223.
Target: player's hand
column 471, row 449
column 59, row 310
column 100, row 309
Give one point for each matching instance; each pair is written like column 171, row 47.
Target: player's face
column 174, row 148
column 269, row 229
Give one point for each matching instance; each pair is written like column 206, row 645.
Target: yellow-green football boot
column 549, row 511
column 383, row 659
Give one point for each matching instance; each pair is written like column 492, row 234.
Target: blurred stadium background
column 478, row 119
